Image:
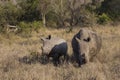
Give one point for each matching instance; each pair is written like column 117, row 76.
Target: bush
column 29, row 10
column 111, row 7
column 103, row 19
column 1, row 29
column 86, row 18
column 36, row 25
column 9, row 14
column 24, row 27
column 29, row 27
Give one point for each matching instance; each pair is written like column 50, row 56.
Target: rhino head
column 84, row 35
column 47, row 46
column 83, row 50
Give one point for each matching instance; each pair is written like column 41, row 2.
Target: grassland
column 17, row 60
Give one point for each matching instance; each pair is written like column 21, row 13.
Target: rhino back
column 98, row 42
column 56, row 40
column 95, row 43
column 59, row 49
column 53, row 45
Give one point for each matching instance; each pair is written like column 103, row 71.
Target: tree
column 59, row 8
column 67, row 10
column 77, row 10
column 44, row 7
column 29, row 10
column 112, row 8
column 9, row 14
column 70, row 11
column 74, row 9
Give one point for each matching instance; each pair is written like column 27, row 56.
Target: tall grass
column 106, row 65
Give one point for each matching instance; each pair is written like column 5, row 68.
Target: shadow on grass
column 72, row 60
column 33, row 58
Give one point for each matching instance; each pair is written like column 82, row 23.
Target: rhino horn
column 78, row 40
column 43, row 39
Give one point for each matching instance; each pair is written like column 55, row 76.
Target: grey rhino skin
column 86, row 44
column 83, row 52
column 54, row 47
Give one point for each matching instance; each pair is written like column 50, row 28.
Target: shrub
column 9, row 14
column 87, row 18
column 29, row 27
column 36, row 25
column 24, row 27
column 103, row 19
column 111, row 7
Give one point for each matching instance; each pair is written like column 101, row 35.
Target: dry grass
column 106, row 65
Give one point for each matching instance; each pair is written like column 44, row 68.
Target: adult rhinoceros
column 85, row 44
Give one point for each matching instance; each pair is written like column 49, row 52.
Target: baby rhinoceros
column 54, row 47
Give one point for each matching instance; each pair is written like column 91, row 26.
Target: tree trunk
column 44, row 20
column 72, row 18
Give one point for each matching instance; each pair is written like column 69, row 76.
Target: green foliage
column 2, row 16
column 29, row 27
column 112, row 8
column 1, row 29
column 29, row 10
column 31, row 15
column 51, row 20
column 86, row 18
column 36, row 25
column 103, row 19
column 9, row 14
column 25, row 29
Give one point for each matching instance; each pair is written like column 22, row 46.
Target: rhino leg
column 66, row 58
column 56, row 60
column 86, row 58
column 79, row 60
